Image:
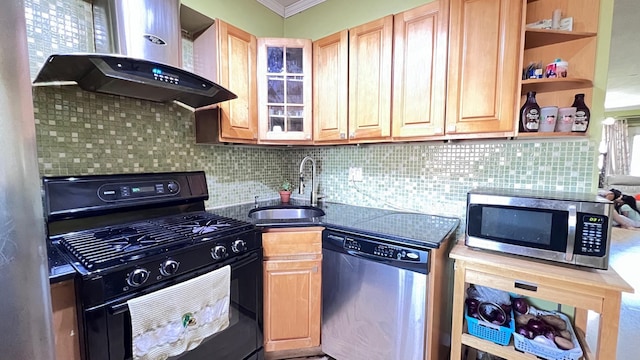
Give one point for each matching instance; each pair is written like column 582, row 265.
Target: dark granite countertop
column 406, row 227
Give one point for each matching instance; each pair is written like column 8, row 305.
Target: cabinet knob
column 352, row 135
column 451, row 128
column 343, row 136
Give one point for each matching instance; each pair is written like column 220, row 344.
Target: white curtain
column 616, row 136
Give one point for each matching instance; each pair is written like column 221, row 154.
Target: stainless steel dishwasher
column 374, row 298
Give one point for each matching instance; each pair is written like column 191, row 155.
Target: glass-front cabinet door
column 284, row 91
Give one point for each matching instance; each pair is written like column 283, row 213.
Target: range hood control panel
column 153, row 72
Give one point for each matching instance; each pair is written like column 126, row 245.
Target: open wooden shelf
column 541, row 37
column 539, row 135
column 554, row 84
column 584, row 289
column 510, row 352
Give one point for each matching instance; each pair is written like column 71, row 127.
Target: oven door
column 108, row 327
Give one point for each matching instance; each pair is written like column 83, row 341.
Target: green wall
column 248, row 15
column 334, row 15
column 605, row 23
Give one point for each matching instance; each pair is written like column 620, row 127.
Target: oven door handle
column 238, row 263
column 118, row 308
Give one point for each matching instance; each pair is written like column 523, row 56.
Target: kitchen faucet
column 314, row 195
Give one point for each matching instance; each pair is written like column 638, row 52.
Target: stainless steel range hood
column 139, row 55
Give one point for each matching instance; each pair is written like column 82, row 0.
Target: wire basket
column 545, row 351
column 500, row 335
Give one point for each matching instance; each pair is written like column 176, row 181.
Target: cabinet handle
column 525, row 285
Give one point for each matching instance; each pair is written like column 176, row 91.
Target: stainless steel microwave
column 568, row 228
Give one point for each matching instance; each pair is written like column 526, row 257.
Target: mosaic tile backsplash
column 434, row 178
column 85, row 133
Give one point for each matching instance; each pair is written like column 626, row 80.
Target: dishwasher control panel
column 381, row 250
column 390, row 252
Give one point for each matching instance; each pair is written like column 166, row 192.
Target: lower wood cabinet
column 292, row 288
column 65, row 320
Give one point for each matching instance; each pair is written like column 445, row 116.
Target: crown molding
column 300, row 6
column 273, row 5
column 285, row 12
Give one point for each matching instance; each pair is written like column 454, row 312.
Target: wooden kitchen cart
column 584, row 289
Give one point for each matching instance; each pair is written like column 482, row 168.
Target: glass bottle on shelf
column 583, row 115
column 530, row 114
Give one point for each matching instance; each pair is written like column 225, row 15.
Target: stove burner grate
column 118, row 244
column 100, row 248
column 204, row 226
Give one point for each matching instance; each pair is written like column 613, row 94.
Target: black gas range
column 132, row 234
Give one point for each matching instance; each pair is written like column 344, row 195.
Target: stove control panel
column 146, row 189
column 71, row 197
column 169, row 267
column 153, row 270
column 239, row 246
column 137, row 277
column 219, row 252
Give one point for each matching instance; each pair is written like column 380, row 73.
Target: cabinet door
column 370, row 51
column 484, row 66
column 284, row 91
column 292, row 293
column 419, row 71
column 330, row 88
column 65, row 320
column 237, row 69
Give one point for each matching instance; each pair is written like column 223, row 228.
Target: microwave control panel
column 591, row 235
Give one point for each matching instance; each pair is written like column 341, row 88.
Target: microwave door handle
column 571, row 233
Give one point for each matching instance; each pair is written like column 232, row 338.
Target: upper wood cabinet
column 330, row 88
column 237, row 72
column 485, row 51
column 227, row 55
column 419, row 71
column 370, row 53
column 284, row 91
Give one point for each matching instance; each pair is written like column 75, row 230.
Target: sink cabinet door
column 292, row 304
column 292, row 288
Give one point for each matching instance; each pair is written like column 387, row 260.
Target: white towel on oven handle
column 177, row 318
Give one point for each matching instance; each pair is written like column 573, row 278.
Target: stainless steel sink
column 285, row 212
